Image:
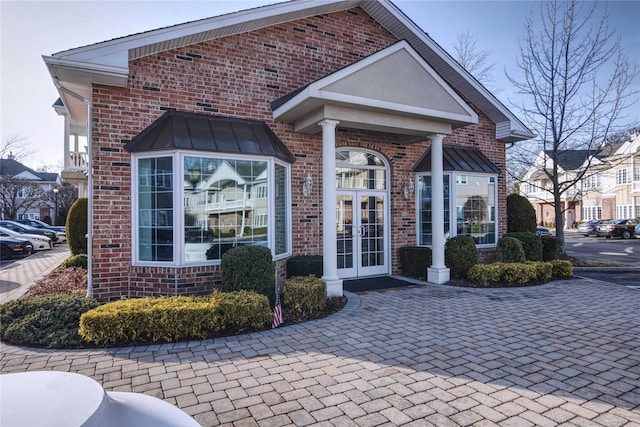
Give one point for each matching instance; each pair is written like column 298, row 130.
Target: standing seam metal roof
column 460, row 159
column 178, row 130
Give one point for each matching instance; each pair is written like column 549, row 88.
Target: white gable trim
column 316, row 96
column 29, row 176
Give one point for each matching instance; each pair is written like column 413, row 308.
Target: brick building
column 306, row 126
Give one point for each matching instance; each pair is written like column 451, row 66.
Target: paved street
column 602, row 249
column 565, row 353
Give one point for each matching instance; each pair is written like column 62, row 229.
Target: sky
column 30, row 29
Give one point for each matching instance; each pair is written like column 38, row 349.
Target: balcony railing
column 229, row 205
column 76, row 160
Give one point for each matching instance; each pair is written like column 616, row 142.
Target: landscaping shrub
column 174, row 318
column 460, row 255
column 562, row 269
column 79, row 260
column 304, row 295
column 49, row 321
column 531, row 243
column 249, row 268
column 550, row 248
column 71, row 281
column 304, row 265
column 414, row 261
column 509, row 249
column 521, row 216
column 500, row 274
column 77, row 227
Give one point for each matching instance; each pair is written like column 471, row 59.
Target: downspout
column 56, row 82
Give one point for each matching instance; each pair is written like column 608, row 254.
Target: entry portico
column 393, row 91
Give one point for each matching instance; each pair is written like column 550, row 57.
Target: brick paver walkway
column 566, row 353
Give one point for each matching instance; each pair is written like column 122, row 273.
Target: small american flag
column 277, row 313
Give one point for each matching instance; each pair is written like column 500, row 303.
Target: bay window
column 193, row 207
column 470, row 202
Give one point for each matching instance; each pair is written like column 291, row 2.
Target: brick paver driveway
column 563, row 353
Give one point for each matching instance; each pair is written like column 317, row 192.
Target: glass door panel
column 344, row 233
column 361, row 233
column 372, row 235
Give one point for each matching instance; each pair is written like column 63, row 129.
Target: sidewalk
column 17, row 276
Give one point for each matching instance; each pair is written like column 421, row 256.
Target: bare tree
column 576, row 83
column 16, row 147
column 18, row 195
column 62, row 200
column 473, row 60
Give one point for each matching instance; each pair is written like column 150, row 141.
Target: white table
column 47, row 398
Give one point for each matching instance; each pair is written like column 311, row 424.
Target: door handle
column 362, row 231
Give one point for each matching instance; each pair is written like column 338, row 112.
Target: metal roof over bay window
column 178, row 130
column 459, row 159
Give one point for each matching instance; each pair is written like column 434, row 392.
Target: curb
column 606, row 269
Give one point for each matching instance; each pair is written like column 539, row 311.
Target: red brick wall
column 239, row 76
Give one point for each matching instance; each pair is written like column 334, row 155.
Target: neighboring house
column 46, row 180
column 306, row 126
column 610, row 187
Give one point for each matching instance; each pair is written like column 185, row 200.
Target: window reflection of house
column 231, row 208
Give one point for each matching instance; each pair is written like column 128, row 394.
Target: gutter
column 61, row 88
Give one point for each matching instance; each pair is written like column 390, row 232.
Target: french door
column 361, row 230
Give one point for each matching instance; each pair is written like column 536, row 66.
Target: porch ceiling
column 393, row 90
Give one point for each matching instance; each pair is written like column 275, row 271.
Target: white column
column 438, row 272
column 329, row 241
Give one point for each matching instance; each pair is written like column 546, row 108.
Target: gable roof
column 570, row 160
column 11, row 167
column 393, row 90
column 107, row 62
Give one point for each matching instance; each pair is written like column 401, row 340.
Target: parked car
column 61, row 232
column 12, row 247
column 542, row 231
column 624, row 228
column 591, row 227
column 38, row 241
column 23, row 228
column 637, row 233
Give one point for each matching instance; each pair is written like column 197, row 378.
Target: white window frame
column 591, row 212
column 179, row 205
column 623, row 176
column 453, row 209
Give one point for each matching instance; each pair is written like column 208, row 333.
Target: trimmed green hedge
column 531, row 243
column 304, row 295
column 550, row 248
column 49, row 321
column 77, row 226
column 79, row 260
column 460, row 255
column 414, row 261
column 174, row 318
column 249, row 268
column 502, row 274
column 562, row 269
column 509, row 249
